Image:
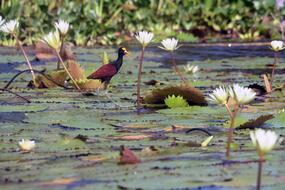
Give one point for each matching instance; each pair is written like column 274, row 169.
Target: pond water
column 78, row 137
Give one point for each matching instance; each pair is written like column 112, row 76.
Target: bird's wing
column 107, row 70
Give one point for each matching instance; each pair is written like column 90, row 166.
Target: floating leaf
column 254, row 123
column 175, row 102
column 52, row 80
column 128, row 157
column 55, row 182
column 89, row 85
column 43, row 51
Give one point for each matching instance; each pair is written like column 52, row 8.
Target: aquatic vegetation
column 27, row 145
column 144, row 38
column 192, row 95
column 53, row 40
column 171, row 44
column 191, row 69
column 264, row 141
column 173, row 101
column 240, row 96
column 63, row 27
column 11, row 27
column 276, row 46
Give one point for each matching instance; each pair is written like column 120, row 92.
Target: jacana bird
column 106, row 72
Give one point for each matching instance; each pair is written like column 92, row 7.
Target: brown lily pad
column 191, row 94
column 52, row 79
column 254, row 123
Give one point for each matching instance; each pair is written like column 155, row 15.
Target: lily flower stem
column 229, row 110
column 231, row 132
column 26, row 57
column 139, row 78
column 273, row 69
column 66, row 70
column 259, row 173
column 60, row 52
column 176, row 68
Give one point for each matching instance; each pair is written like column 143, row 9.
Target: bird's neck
column 118, row 63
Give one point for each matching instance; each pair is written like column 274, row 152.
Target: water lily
column 191, row 68
column 220, row 95
column 277, row 45
column 53, row 40
column 62, row 26
column 10, row 27
column 144, row 37
column 263, row 140
column 1, row 20
column 27, row 145
column 169, row 44
column 241, row 95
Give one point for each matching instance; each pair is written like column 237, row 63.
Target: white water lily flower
column 27, row 145
column 169, row 44
column 220, row 95
column 10, row 26
column 191, row 68
column 144, row 37
column 62, row 26
column 53, row 40
column 277, row 45
column 263, row 140
column 241, row 95
column 1, row 20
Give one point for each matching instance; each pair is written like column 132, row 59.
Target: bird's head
column 123, row 51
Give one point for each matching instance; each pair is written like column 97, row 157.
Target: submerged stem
column 26, row 57
column 139, row 78
column 66, row 70
column 259, row 173
column 176, row 68
column 231, row 132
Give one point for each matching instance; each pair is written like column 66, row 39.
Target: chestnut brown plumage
column 106, row 72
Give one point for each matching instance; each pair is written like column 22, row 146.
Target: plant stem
column 229, row 110
column 26, row 57
column 66, row 70
column 176, row 68
column 259, row 173
column 139, row 78
column 231, row 132
column 273, row 69
column 60, row 52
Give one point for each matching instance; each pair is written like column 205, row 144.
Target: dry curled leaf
column 62, row 181
column 75, row 70
column 132, row 137
column 127, row 156
column 43, row 51
column 193, row 95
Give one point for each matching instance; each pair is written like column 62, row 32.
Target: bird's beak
column 126, row 52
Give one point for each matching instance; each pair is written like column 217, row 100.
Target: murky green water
column 56, row 116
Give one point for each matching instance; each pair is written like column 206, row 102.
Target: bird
column 106, row 72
